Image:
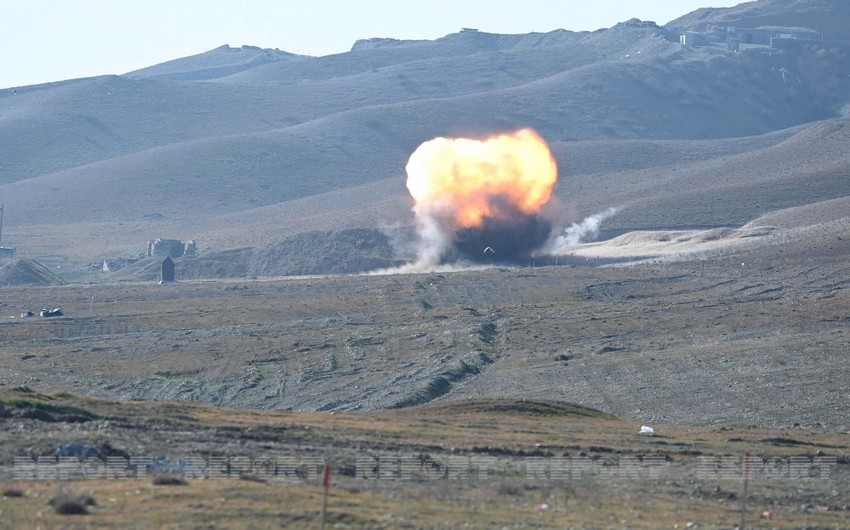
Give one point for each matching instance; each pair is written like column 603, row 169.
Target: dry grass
column 488, row 426
column 510, row 430
column 442, row 505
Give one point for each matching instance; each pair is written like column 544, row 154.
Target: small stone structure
column 173, row 248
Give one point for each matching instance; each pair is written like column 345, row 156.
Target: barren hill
column 237, row 145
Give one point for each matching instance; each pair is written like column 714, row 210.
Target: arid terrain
column 743, row 352
column 674, row 355
column 474, row 463
column 721, row 340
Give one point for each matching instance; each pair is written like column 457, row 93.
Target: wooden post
column 326, row 484
column 744, row 493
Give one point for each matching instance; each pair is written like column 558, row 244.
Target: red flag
column 326, row 480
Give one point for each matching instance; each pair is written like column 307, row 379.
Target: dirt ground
column 448, row 373
column 753, row 338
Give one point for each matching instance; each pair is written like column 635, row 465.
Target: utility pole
column 1, row 225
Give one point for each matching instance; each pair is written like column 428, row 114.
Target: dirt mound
column 681, row 244
column 806, row 215
column 336, row 252
column 146, row 269
column 532, row 408
column 26, row 272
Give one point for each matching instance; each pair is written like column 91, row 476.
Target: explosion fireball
column 481, row 200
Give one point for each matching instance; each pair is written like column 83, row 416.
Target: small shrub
column 166, row 479
column 251, row 478
column 70, row 503
column 13, row 493
column 509, row 489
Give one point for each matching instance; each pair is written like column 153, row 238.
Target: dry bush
column 510, row 489
column 68, row 502
column 166, row 479
column 252, row 478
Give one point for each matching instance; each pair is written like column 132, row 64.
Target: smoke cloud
column 480, row 200
column 587, row 230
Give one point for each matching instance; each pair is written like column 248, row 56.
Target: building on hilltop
column 764, row 36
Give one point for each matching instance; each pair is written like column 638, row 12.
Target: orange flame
column 468, row 180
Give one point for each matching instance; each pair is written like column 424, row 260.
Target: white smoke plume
column 587, row 230
column 434, row 239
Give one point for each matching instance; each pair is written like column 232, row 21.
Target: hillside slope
column 213, row 64
column 232, row 145
column 45, row 128
column 226, row 173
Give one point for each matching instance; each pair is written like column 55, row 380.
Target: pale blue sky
column 53, row 40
